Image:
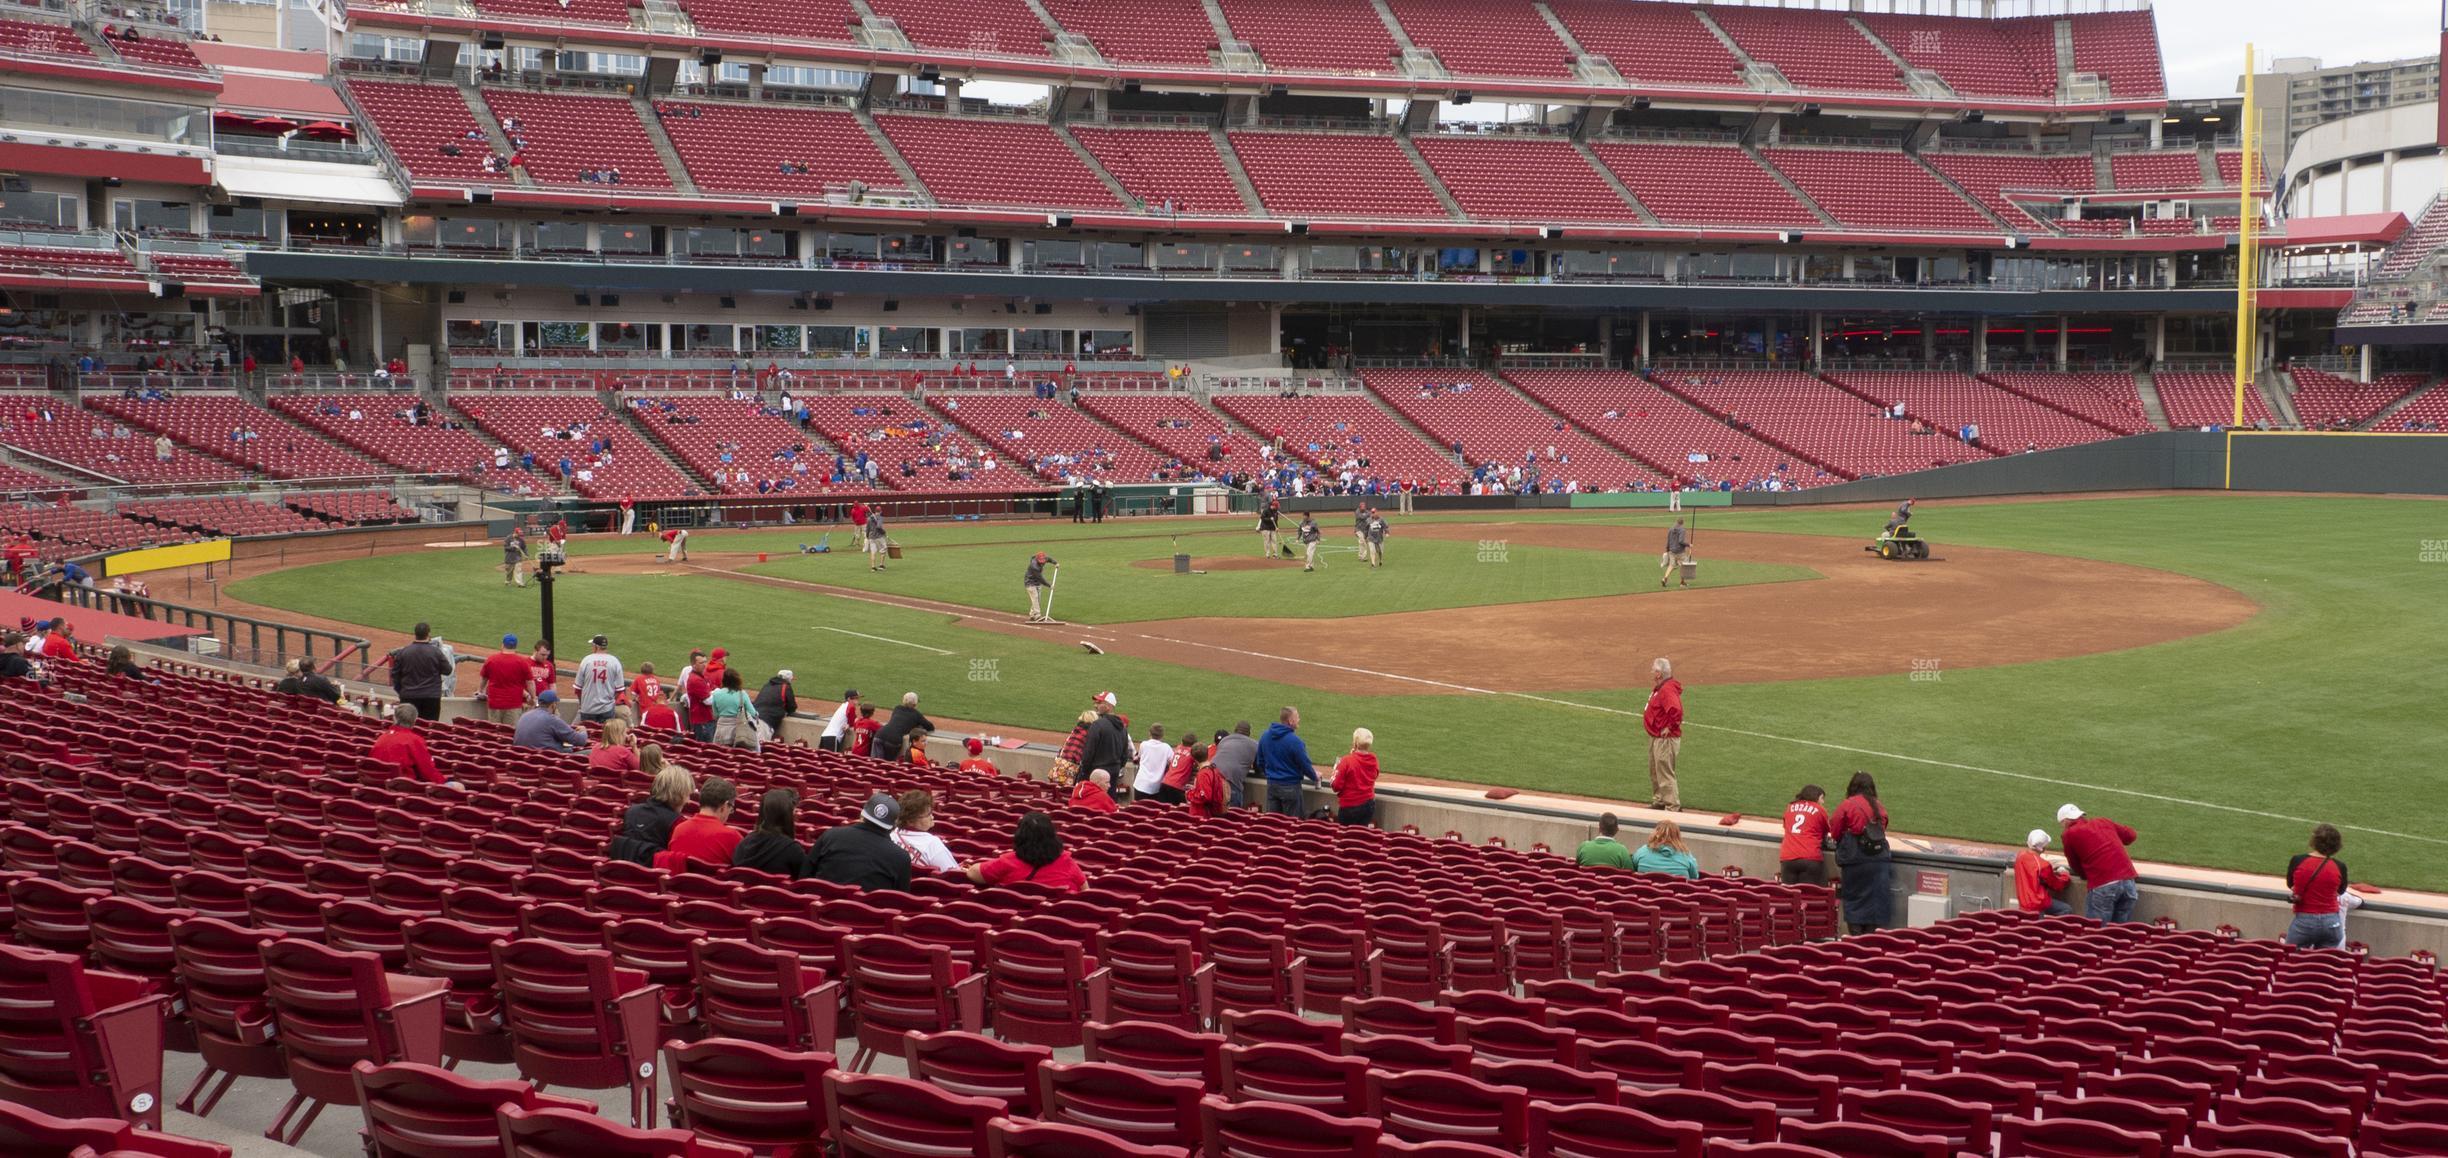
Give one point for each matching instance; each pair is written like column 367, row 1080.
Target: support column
column 1768, row 337
column 1818, row 338
column 2158, row 335
column 1929, row 341
column 1644, row 338
column 372, row 355
column 2064, row 341
column 1980, row 345
column 1464, row 331
column 2363, row 366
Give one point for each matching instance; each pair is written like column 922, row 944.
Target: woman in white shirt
column 926, row 850
column 1155, row 757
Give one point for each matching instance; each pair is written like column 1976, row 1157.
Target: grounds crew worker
column 1309, row 541
column 1360, row 518
column 1373, row 539
column 1266, row 525
column 1036, row 584
column 1903, row 515
column 1678, row 552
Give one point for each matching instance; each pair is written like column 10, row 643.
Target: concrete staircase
column 498, row 140
column 1757, row 74
column 1428, row 175
column 901, row 165
column 1241, row 178
column 2278, row 387
column 2152, row 408
column 1614, row 182
column 646, row 437
column 1825, row 218
column 1611, row 446
column 1960, row 191
column 662, row 144
column 1087, row 158
column 545, row 480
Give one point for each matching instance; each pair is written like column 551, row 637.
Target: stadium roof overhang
column 39, row 151
column 1046, row 70
column 2349, row 231
column 459, row 272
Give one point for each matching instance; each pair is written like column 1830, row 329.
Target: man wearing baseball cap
column 1108, row 744
column 542, row 727
column 863, row 852
column 2095, row 851
column 600, row 682
column 1035, row 583
column 977, row 761
column 507, row 677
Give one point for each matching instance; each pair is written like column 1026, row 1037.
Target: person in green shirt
column 1604, row 850
column 734, row 713
column 1665, row 853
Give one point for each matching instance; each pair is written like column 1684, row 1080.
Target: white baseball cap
column 2039, row 838
column 1107, row 699
column 2069, row 812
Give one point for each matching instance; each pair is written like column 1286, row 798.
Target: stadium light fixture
column 1462, row 97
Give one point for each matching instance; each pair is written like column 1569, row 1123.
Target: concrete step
column 662, row 142
column 1825, row 218
column 901, row 165
column 1240, row 176
column 499, row 140
column 2152, row 408
column 1614, row 182
column 1429, row 175
column 1112, row 184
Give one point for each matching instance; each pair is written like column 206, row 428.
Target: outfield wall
column 2243, row 460
column 2350, row 462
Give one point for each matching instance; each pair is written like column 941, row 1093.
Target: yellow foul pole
column 2248, row 250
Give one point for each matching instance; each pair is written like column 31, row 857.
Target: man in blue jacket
column 1284, row 760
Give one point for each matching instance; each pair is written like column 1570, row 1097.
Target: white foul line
column 882, row 639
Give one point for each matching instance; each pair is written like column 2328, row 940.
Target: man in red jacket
column 1090, row 793
column 707, row 834
column 400, row 746
column 1663, row 719
column 509, row 682
column 2037, row 881
column 2095, row 851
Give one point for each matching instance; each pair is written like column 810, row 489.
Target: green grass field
column 2220, row 748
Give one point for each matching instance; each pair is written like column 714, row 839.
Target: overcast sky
column 2203, row 40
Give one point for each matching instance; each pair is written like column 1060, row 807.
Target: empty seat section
column 355, row 508
column 1633, row 414
column 1342, row 175
column 154, row 51
column 1529, row 179
column 2153, row 172
column 2104, row 398
column 416, row 121
column 982, row 162
column 1496, row 426
column 1314, row 35
column 222, row 516
column 2123, row 49
column 891, row 429
column 1000, row 27
column 824, row 20
column 2428, row 410
column 82, row 439
column 1146, row 32
column 2231, row 170
column 191, row 269
column 35, row 38
column 2008, row 58
column 1177, row 426
column 557, row 11
column 65, row 532
column 50, row 266
column 1702, row 184
column 1336, row 428
column 2197, row 399
column 2417, row 244
column 552, row 428
column 1160, row 166
column 243, row 433
column 2007, row 422
column 2322, row 397
column 1495, row 38
column 1877, row 189
column 1817, row 50
column 379, row 425
column 1991, row 177
column 778, row 148
column 1819, row 420
column 721, row 437
column 1034, row 432
column 567, row 134
column 1651, row 43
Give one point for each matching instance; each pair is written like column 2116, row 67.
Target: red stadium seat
column 875, row 1116
column 422, row 1111
column 748, row 1094
column 1269, row 1129
column 1009, row 1139
column 336, row 1009
column 1608, row 1132
column 558, row 1133
column 82, row 1043
column 576, row 1019
column 1121, row 1102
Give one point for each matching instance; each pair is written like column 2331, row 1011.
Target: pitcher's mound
column 1217, row 563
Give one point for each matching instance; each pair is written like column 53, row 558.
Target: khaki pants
column 1668, row 561
column 1308, row 555
column 1372, row 551
column 1662, row 753
column 1035, row 593
column 1268, row 537
column 504, row 715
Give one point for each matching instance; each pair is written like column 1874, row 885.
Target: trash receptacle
column 1691, row 570
column 1181, row 564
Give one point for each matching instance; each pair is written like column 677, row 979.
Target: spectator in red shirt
column 1663, row 719
column 1208, row 795
column 546, row 675
column 2317, row 882
column 707, row 834
column 1802, row 858
column 646, row 690
column 1186, row 760
column 2095, row 851
column 977, row 761
column 509, row 682
column 1355, row 781
column 2038, row 880
column 401, row 747
column 698, row 691
column 1037, row 856
column 862, row 742
column 617, row 751
column 1860, row 831
column 1091, row 795
column 61, row 645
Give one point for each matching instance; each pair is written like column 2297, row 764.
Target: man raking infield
column 1309, row 541
column 1266, row 527
column 1037, row 581
column 1678, row 553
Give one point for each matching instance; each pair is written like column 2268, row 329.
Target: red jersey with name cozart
column 1806, row 826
